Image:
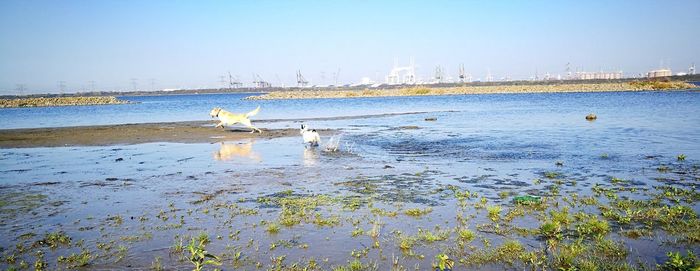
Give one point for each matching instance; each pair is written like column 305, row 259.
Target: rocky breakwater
column 60, row 101
column 522, row 88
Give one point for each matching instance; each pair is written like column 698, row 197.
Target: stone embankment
column 60, row 101
column 419, row 90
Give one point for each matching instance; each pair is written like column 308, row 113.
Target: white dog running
column 228, row 118
column 311, row 137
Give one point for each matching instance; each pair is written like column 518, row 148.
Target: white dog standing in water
column 311, row 137
column 228, row 118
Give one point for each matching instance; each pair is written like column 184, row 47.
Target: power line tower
column 335, row 77
column 20, row 88
column 301, row 81
column 62, row 86
column 152, row 82
column 134, row 83
column 92, row 85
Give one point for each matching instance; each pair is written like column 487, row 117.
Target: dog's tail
column 253, row 113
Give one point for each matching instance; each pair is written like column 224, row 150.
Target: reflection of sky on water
column 511, row 130
column 641, row 110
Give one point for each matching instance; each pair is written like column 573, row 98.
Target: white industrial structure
column 597, row 75
column 659, row 73
column 402, row 75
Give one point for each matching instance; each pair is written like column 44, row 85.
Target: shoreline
column 138, row 133
column 127, row 134
column 468, row 90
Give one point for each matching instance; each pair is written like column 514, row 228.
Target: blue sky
column 189, row 44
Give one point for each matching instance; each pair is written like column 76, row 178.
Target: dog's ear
column 302, row 126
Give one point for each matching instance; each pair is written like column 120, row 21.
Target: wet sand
column 176, row 132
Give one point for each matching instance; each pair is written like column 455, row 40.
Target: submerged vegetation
column 407, row 221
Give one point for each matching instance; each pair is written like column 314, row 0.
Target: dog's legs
column 249, row 125
column 221, row 124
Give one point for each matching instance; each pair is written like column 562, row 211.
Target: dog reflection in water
column 310, row 156
column 228, row 151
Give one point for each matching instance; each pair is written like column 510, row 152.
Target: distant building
column 659, row 73
column 402, row 75
column 597, row 75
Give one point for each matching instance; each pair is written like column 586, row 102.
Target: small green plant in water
column 677, row 262
column 273, row 228
column 418, row 212
column 444, row 262
column 54, row 240
column 527, row 199
column 40, row 264
column 76, row 260
column 551, row 175
column 199, row 256
column 681, row 157
column 663, row 168
column 593, row 226
column 156, row 265
column 466, row 235
column 494, row 212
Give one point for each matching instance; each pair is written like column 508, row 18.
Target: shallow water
column 485, row 144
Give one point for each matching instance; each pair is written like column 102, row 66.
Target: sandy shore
column 182, row 132
column 421, row 91
column 179, row 132
column 59, row 101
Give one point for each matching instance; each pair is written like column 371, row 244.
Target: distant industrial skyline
column 68, row 46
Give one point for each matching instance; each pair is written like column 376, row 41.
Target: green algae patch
column 17, row 202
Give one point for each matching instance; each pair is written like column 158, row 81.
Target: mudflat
column 180, row 132
column 176, row 132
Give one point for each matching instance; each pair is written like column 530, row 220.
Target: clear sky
column 189, row 44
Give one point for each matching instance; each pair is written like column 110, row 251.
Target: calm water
column 652, row 110
column 480, row 143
